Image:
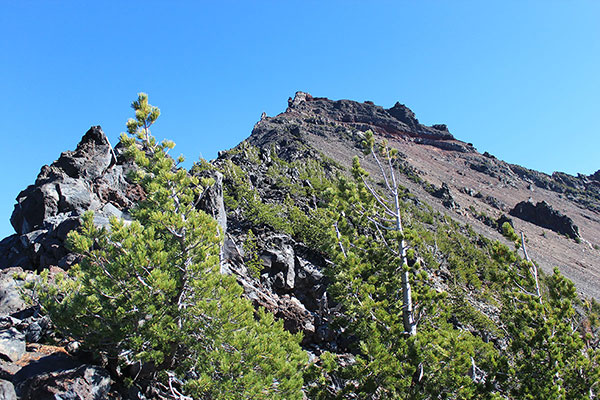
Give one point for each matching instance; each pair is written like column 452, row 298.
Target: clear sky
column 519, row 79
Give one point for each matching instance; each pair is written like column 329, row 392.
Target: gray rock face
column 12, row 344
column 212, row 199
column 7, row 390
column 11, row 300
column 291, row 284
column 278, row 259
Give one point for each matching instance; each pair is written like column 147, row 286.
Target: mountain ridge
column 315, row 126
column 266, row 196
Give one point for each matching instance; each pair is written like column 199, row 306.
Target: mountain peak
column 307, row 115
column 398, row 120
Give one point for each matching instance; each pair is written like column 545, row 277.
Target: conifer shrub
column 509, row 232
column 549, row 357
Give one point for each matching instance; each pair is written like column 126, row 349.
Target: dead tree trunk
column 532, row 269
column 391, row 207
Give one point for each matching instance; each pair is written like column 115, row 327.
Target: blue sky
column 520, row 79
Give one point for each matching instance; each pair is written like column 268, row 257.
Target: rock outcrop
column 93, row 177
column 290, row 282
column 444, row 194
column 584, row 190
column 542, row 214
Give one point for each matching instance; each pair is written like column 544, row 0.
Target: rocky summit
column 280, row 266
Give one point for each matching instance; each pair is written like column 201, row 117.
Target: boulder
column 12, row 344
column 542, row 214
column 11, row 300
column 12, row 252
column 34, row 332
column 443, row 193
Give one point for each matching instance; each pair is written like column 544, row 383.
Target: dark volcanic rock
column 444, row 144
column 585, row 190
column 443, row 193
column 58, row 188
column 570, row 181
column 84, row 383
column 405, row 115
column 542, row 214
column 45, row 365
column 291, row 285
column 539, row 179
column 93, row 177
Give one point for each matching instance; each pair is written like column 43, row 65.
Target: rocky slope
column 559, row 214
column 481, row 187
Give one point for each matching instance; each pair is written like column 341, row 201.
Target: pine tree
column 150, row 291
column 549, row 357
